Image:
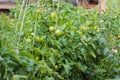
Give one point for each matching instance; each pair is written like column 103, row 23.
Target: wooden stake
column 102, row 6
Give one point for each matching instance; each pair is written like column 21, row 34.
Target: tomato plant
column 58, row 41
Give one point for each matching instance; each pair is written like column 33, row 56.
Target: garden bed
column 60, row 41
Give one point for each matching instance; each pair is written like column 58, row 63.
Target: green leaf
column 60, row 77
column 93, row 45
column 1, row 59
column 67, row 68
column 113, row 79
column 72, row 33
column 80, row 67
column 106, row 50
column 92, row 54
column 19, row 77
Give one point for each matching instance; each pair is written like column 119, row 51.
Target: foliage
column 60, row 42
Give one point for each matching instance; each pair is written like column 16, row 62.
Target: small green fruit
column 53, row 15
column 83, row 29
column 58, row 33
column 119, row 36
column 51, row 29
column 39, row 39
column 28, row 40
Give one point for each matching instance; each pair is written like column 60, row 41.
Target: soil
column 7, row 5
column 7, row 11
column 4, row 7
column 90, row 5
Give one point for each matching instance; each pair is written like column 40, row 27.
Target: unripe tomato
column 96, row 28
column 40, row 39
column 53, row 15
column 30, row 30
column 38, row 11
column 101, row 21
column 88, row 23
column 58, row 33
column 32, row 34
column 51, row 29
column 119, row 36
column 80, row 33
column 37, row 58
column 83, row 29
column 28, row 40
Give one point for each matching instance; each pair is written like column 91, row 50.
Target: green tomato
column 96, row 28
column 40, row 39
column 119, row 36
column 28, row 40
column 101, row 21
column 88, row 23
column 32, row 34
column 30, row 30
column 80, row 33
column 51, row 29
column 37, row 58
column 83, row 29
column 38, row 11
column 58, row 33
column 53, row 15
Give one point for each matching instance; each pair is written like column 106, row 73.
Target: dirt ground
column 4, row 7
column 7, row 5
column 90, row 5
column 6, row 11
